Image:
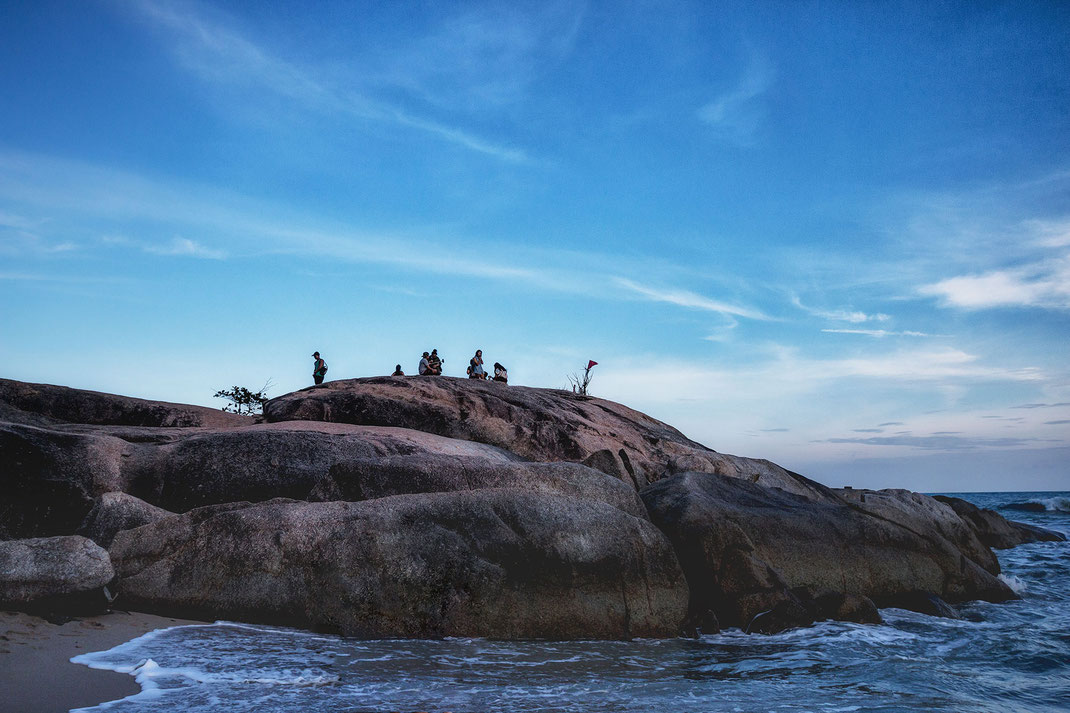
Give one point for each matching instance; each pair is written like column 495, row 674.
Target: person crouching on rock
column 500, row 374
column 398, row 371
column 425, row 365
column 475, row 366
column 320, row 369
column 435, row 363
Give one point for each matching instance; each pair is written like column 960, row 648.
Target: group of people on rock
column 430, row 365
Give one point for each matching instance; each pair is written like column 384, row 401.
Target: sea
column 998, row 658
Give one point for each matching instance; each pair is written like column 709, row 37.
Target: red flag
column 590, row 364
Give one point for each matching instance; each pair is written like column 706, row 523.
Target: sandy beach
column 36, row 675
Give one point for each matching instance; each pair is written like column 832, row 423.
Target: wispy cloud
column 841, row 315
column 736, row 114
column 1057, row 423
column 223, row 55
column 184, row 247
column 879, row 333
column 692, row 300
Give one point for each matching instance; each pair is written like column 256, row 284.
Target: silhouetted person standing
column 320, row 369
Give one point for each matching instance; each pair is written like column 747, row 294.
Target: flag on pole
column 590, row 364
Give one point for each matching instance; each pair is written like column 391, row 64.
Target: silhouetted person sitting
column 425, row 365
column 500, row 374
column 398, row 371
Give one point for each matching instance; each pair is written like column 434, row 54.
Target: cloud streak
column 841, row 315
column 221, row 55
column 691, row 300
column 938, row 442
column 880, row 333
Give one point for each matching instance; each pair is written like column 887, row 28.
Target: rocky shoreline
column 432, row 506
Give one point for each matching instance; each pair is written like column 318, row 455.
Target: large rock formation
column 496, row 563
column 435, row 506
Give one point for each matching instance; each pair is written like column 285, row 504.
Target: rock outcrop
column 80, row 406
column 747, row 550
column 996, row 531
column 42, row 573
column 439, row 506
column 495, row 563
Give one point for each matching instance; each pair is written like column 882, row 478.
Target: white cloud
column 1041, row 284
column 692, row 300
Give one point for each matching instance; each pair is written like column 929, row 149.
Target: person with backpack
column 319, row 370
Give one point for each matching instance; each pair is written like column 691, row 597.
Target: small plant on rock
column 244, row 401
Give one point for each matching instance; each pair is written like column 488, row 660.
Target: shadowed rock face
column 537, row 424
column 51, row 569
column 497, row 563
column 79, row 406
column 744, row 548
column 49, row 478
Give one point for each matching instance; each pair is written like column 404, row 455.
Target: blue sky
column 834, row 235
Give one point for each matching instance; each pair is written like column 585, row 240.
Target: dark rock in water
column 64, row 573
column 926, row 603
column 493, row 563
column 996, row 531
column 744, row 547
column 839, row 606
column 788, row 613
column 78, row 406
column 537, row 424
column 114, row 512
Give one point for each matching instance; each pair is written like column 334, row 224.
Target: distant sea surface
column 998, row 658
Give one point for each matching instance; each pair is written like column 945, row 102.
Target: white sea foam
column 1017, row 585
column 1056, row 504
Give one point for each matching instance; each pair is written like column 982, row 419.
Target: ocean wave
column 1054, row 504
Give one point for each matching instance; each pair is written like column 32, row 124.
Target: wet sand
column 36, row 675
